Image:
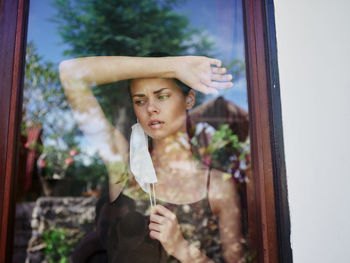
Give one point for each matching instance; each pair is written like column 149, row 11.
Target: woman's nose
column 152, row 107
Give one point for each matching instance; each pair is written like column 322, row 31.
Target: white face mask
column 140, row 161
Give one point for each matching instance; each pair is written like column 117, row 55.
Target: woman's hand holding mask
column 165, row 228
column 203, row 74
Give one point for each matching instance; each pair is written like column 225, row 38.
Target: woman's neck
column 176, row 147
column 181, row 178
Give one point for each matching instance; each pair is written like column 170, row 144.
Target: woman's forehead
column 152, row 84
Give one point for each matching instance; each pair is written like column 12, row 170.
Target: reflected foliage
column 59, row 244
column 43, row 93
column 44, row 104
column 94, row 173
column 126, row 27
column 222, row 150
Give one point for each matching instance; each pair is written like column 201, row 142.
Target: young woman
column 185, row 186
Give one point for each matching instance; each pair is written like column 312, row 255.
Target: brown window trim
column 261, row 190
column 13, row 29
column 268, row 188
column 277, row 144
column 268, row 212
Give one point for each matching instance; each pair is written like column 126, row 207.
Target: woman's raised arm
column 102, row 70
column 76, row 78
column 200, row 73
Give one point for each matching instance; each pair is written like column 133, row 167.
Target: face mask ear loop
column 150, row 195
column 154, row 195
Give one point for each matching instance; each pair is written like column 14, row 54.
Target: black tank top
column 129, row 241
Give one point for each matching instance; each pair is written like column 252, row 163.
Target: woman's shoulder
column 222, row 190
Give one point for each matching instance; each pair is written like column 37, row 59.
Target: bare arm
column 200, row 73
column 102, row 70
column 101, row 134
column 224, row 200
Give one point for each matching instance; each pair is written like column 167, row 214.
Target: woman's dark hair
column 185, row 89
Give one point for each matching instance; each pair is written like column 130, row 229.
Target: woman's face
column 160, row 106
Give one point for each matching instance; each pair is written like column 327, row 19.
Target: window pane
column 136, row 148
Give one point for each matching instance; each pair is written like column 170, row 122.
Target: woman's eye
column 163, row 96
column 139, row 102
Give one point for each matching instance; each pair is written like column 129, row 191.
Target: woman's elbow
column 72, row 73
column 65, row 70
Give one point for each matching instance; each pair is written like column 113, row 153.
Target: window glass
column 135, row 144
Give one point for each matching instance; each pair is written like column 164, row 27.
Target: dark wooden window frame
column 268, row 210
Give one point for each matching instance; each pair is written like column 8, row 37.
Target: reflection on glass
column 158, row 64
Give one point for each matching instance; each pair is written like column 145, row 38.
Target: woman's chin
column 161, row 135
column 162, row 132
column 158, row 135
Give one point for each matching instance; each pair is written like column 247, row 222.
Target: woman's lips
column 155, row 124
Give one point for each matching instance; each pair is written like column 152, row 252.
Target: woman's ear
column 190, row 99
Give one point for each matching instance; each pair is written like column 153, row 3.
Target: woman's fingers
column 157, row 219
column 155, row 235
column 161, row 210
column 161, row 219
column 216, row 62
column 212, row 86
column 212, row 91
column 205, row 75
column 168, row 231
column 205, row 89
column 216, row 70
column 154, row 227
column 220, row 77
column 221, row 85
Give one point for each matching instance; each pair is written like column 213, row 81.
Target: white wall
column 313, row 38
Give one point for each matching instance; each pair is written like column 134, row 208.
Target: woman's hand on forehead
column 203, row 74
